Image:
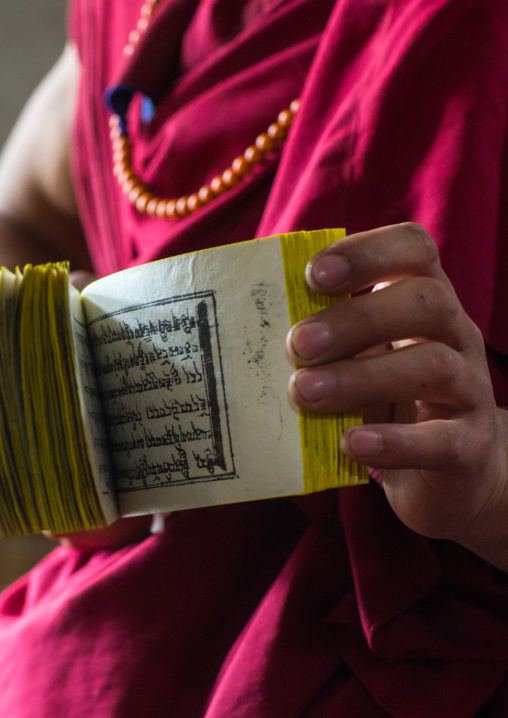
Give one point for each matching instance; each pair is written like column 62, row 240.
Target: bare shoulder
column 36, row 156
column 36, row 191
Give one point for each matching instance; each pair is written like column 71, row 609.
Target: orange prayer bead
column 120, row 143
column 181, row 207
column 264, row 143
column 134, row 37
column 252, row 155
column 240, row 166
column 285, row 118
column 142, row 201
column 276, row 132
column 170, row 212
column 160, row 210
column 152, row 205
column 134, row 193
column 122, row 155
column 230, row 178
column 125, row 175
column 206, row 194
column 138, row 194
column 194, row 203
column 217, row 185
column 129, row 183
column 146, row 9
column 119, row 167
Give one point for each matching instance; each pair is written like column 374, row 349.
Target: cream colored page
column 91, row 411
column 190, row 358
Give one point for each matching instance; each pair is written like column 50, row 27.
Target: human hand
column 414, row 362
column 120, row 533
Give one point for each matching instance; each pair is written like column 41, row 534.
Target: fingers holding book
column 408, row 353
column 342, row 352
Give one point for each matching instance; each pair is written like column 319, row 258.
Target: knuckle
column 455, row 445
column 449, row 437
column 446, row 366
column 427, row 245
column 465, row 450
column 477, row 340
column 442, row 303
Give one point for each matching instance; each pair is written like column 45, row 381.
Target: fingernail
column 329, row 270
column 361, row 443
column 314, row 385
column 310, row 340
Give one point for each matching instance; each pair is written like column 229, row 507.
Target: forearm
column 20, row 244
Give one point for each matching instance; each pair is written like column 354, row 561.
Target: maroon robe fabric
column 324, row 605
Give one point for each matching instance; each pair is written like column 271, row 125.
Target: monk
column 177, row 125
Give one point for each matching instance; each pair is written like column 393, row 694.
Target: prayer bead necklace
column 140, row 197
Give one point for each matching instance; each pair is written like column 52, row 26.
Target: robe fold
column 317, row 606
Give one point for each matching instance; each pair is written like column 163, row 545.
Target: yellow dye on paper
column 46, row 479
column 14, row 518
column 62, row 480
column 80, row 491
column 324, row 464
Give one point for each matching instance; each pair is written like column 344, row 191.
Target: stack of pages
column 160, row 388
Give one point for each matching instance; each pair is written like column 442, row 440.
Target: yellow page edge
column 324, row 464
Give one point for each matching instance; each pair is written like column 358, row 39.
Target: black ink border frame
column 204, row 294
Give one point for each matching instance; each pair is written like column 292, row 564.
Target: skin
column 38, row 215
column 407, row 355
column 39, row 220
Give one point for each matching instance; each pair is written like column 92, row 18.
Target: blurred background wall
column 32, row 35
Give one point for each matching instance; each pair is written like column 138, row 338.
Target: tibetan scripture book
column 160, row 388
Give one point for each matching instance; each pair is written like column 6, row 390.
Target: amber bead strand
column 145, row 201
column 145, row 16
